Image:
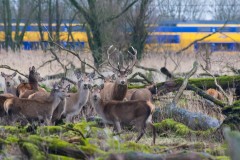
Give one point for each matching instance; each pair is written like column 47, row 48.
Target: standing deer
column 138, row 112
column 9, row 83
column 26, row 89
column 43, row 96
column 34, row 110
column 76, row 101
column 117, row 90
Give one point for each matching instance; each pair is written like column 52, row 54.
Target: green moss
column 45, row 87
column 12, row 139
column 222, row 158
column 50, row 130
column 12, row 129
column 91, row 150
column 132, row 146
column 179, row 128
column 58, row 157
column 170, row 124
column 32, row 151
column 73, row 89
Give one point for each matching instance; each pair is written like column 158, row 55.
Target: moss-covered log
column 203, row 83
column 176, row 156
column 54, row 145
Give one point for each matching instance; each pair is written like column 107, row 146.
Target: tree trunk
column 39, row 21
column 50, row 20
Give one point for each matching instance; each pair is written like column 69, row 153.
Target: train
column 176, row 35
column 165, row 36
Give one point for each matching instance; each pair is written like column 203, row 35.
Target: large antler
column 118, row 68
column 134, row 61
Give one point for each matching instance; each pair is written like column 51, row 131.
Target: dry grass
column 176, row 63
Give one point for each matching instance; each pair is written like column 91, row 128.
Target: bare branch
column 142, row 76
column 219, row 87
column 209, row 35
column 8, row 67
column 185, row 82
column 148, row 69
column 73, row 53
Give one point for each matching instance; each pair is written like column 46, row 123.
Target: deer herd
column 112, row 101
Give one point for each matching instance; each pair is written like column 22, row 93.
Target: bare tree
column 92, row 13
column 226, row 10
column 137, row 20
column 181, row 9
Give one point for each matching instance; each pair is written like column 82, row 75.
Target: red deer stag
column 117, row 90
column 26, row 89
column 138, row 112
column 36, row 110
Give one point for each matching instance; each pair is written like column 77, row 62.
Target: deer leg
column 117, row 126
column 153, row 132
column 141, row 130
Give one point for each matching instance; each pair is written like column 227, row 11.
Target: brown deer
column 138, row 112
column 141, row 93
column 215, row 94
column 26, row 89
column 76, row 101
column 117, row 90
column 10, row 83
column 36, row 110
column 42, row 96
column 3, row 98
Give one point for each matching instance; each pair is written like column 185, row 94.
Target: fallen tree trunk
column 186, row 155
column 195, row 121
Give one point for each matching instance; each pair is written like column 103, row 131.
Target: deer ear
column 33, row 68
column 78, row 74
column 91, row 75
column 113, row 77
column 101, row 86
column 3, row 74
column 68, row 87
column 14, row 74
column 129, row 71
column 20, row 79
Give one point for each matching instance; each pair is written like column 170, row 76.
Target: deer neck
column 83, row 95
column 34, row 85
column 99, row 106
column 11, row 90
column 53, row 101
column 119, row 91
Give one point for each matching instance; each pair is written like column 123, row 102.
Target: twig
column 8, row 67
column 148, row 69
column 209, row 35
column 75, row 130
column 73, row 53
column 219, row 87
column 141, row 75
column 185, row 82
column 45, row 63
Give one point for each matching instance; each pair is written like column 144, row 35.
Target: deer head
column 121, row 71
column 85, row 81
column 59, row 91
column 9, row 79
column 34, row 76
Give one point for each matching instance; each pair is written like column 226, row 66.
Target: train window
column 163, row 39
column 217, row 46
